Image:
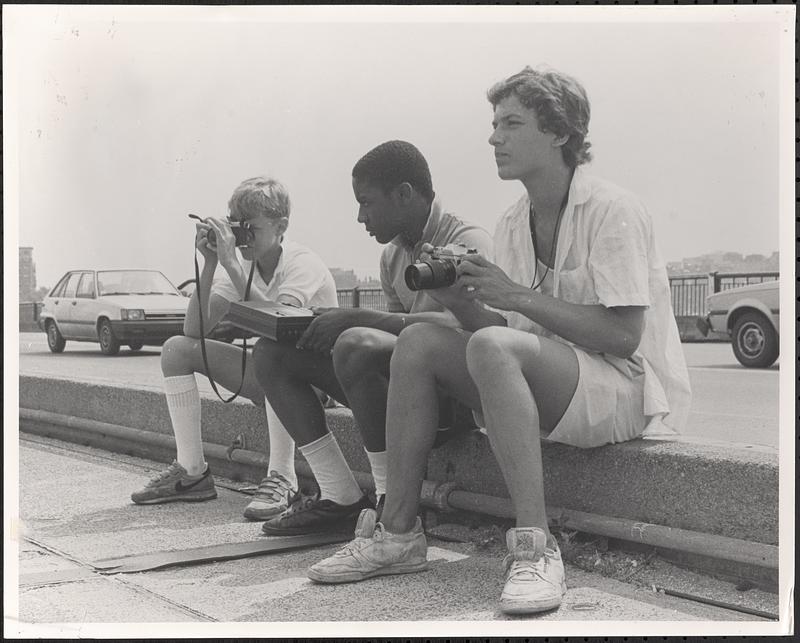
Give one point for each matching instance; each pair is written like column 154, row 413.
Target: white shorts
column 608, row 405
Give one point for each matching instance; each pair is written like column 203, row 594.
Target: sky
column 126, row 119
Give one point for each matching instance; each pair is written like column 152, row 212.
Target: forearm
column 592, row 326
column 202, row 293
column 472, row 316
column 239, row 279
column 395, row 322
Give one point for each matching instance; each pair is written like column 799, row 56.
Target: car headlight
column 132, row 314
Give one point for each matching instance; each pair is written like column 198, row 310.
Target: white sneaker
column 374, row 552
column 535, row 573
column 271, row 498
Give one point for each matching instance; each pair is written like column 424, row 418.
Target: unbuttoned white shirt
column 606, row 254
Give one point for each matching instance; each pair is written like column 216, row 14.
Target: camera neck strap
column 203, row 333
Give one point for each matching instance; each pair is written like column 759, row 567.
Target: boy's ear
column 404, row 192
column 282, row 224
column 558, row 141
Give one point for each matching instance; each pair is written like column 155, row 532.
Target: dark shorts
column 455, row 420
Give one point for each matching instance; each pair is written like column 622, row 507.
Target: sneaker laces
column 274, row 487
column 358, row 542
column 166, row 473
column 299, row 502
column 525, row 570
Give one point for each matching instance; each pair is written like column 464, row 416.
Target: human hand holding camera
column 220, row 238
column 449, row 296
column 486, row 282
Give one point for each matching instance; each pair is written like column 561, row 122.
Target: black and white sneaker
column 311, row 515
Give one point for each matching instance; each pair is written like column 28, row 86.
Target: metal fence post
column 713, row 282
column 356, row 297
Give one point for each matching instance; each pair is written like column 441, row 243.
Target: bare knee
column 177, row 355
column 418, row 347
column 493, row 349
column 360, row 351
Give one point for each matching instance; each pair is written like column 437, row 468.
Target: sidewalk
column 75, row 509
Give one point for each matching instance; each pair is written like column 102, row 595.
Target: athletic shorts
column 607, row 407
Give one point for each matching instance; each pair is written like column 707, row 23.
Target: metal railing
column 727, row 280
column 362, row 298
column 689, row 292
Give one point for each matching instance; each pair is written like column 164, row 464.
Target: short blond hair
column 259, row 196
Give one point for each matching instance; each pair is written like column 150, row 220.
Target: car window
column 58, row 291
column 134, row 282
column 72, row 284
column 86, row 285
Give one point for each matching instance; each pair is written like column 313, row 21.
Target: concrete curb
column 701, row 488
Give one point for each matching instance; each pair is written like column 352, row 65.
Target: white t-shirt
column 299, row 273
column 606, row 254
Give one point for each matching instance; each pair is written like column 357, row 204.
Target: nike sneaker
column 175, row 484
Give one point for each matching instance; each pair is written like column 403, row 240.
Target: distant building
column 27, row 275
column 345, row 279
column 724, row 262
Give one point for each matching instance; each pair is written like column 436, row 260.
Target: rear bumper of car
column 155, row 332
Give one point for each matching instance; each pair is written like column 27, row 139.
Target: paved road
column 731, row 403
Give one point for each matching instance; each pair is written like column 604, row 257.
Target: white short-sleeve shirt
column 299, row 273
column 606, row 254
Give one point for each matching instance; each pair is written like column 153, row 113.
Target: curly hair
column 393, row 163
column 259, row 196
column 561, row 105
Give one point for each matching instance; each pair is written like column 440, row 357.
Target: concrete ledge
column 703, row 488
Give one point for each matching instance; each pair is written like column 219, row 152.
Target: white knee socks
column 377, row 462
column 281, row 447
column 183, row 402
column 335, row 480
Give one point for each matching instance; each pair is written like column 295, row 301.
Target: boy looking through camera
column 285, row 272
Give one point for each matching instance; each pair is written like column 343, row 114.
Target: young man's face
column 521, row 150
column 379, row 212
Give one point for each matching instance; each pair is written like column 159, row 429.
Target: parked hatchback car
column 113, row 307
column 750, row 316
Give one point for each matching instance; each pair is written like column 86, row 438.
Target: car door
column 62, row 306
column 84, row 308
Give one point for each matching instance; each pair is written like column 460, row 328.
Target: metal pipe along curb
column 443, row 496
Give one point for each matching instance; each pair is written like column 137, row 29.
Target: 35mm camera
column 242, row 232
column 440, row 270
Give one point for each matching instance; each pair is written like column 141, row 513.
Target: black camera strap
column 203, row 334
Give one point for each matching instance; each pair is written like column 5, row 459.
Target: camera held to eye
column 242, row 232
column 440, row 270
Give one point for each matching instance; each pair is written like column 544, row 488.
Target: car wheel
column 135, row 346
column 754, row 341
column 55, row 340
column 109, row 344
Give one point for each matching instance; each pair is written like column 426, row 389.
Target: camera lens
column 418, row 276
column 427, row 275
